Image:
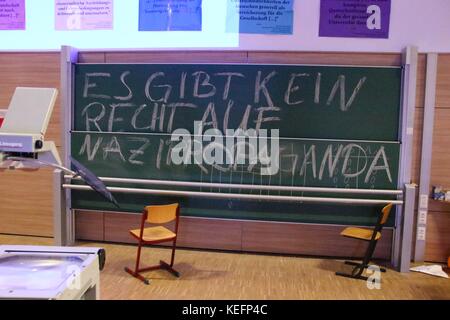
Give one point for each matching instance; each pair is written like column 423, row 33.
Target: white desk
column 46, row 272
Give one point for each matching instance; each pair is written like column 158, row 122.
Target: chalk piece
column 409, row 131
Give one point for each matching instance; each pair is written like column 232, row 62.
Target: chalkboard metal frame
column 401, row 254
column 69, row 57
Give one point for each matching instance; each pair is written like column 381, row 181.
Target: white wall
column 40, row 32
column 424, row 23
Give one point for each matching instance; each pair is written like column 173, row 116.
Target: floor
column 233, row 276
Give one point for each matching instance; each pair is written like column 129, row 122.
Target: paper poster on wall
column 84, row 15
column 12, row 14
column 260, row 16
column 355, row 18
column 170, row 15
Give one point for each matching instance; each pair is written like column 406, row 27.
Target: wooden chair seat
column 359, row 233
column 152, row 234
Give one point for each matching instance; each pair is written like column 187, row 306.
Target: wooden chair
column 370, row 236
column 160, row 214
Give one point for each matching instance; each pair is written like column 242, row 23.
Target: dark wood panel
column 117, row 226
column 91, row 57
column 210, row 233
column 31, row 70
column 89, row 225
column 437, row 247
column 177, row 56
column 440, row 158
column 316, row 240
column 440, row 206
column 193, row 232
column 26, row 206
column 240, row 235
column 443, row 81
column 337, row 58
column 421, row 80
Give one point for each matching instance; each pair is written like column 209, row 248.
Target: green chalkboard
column 334, row 127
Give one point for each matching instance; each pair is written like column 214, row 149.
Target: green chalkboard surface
column 330, row 127
column 353, row 103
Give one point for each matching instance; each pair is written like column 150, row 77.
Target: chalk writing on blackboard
column 166, row 100
column 318, row 161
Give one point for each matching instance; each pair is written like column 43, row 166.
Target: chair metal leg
column 359, row 267
column 168, row 267
column 172, row 259
column 138, row 257
column 351, row 276
column 369, row 252
column 136, row 271
column 137, row 275
column 352, row 263
column 356, row 273
column 162, row 265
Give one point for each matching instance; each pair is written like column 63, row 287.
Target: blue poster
column 170, row 15
column 260, row 16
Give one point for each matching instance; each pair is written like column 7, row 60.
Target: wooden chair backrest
column 159, row 214
column 385, row 213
